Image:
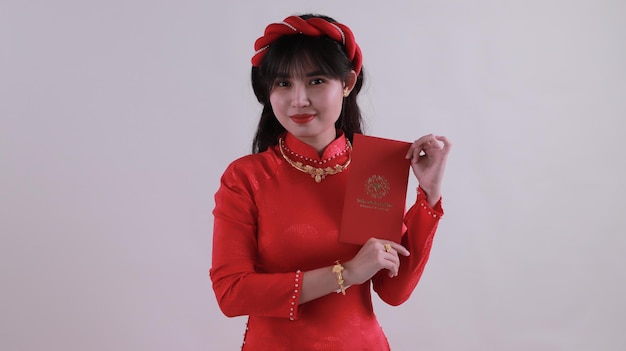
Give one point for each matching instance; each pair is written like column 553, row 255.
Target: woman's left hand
column 428, row 156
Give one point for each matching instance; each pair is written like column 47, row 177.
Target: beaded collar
column 301, row 156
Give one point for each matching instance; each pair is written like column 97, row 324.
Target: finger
column 425, row 138
column 424, row 147
column 418, row 145
column 386, row 246
column 446, row 143
column 392, row 264
column 414, row 154
column 398, row 248
column 395, row 265
column 433, row 145
column 418, row 152
column 391, row 256
column 392, row 273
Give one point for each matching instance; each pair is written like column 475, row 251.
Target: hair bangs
column 297, row 55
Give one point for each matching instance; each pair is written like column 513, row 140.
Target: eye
column 317, row 81
column 281, row 83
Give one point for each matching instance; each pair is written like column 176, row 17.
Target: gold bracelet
column 338, row 268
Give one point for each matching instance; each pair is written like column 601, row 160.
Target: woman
column 276, row 254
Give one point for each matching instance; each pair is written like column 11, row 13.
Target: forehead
column 298, row 68
column 300, row 63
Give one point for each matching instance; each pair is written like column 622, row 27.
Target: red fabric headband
column 314, row 27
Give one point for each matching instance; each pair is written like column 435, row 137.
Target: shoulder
column 251, row 170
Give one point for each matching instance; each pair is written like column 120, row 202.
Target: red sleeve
column 421, row 223
column 239, row 289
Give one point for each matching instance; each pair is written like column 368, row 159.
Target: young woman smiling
column 276, row 255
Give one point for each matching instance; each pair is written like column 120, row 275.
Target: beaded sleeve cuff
column 294, row 297
column 436, row 211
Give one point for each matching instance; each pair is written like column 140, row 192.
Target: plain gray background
column 118, row 118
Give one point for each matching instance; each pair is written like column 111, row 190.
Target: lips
column 302, row 118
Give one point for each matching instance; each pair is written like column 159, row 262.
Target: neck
column 319, row 143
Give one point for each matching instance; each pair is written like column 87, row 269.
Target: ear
column 349, row 82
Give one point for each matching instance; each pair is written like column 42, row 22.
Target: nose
column 299, row 97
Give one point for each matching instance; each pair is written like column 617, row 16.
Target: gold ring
column 387, row 247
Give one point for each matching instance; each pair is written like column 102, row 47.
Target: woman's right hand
column 371, row 258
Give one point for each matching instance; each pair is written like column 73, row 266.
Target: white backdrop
column 118, row 118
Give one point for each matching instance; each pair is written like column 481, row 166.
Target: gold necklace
column 316, row 173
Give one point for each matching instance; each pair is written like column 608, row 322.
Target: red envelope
column 375, row 196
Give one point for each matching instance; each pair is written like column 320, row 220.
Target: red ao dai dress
column 271, row 223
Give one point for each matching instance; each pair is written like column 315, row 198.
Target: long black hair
column 291, row 53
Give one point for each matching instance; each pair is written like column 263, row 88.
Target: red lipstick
column 302, row 118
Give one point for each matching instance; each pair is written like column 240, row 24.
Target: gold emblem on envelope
column 377, row 186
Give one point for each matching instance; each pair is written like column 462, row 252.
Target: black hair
column 290, row 53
